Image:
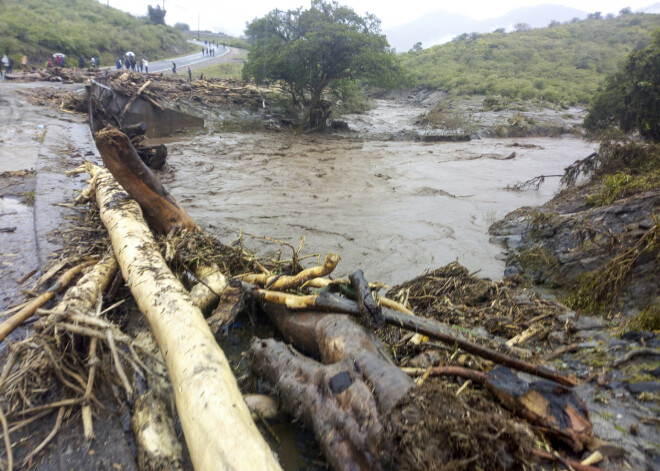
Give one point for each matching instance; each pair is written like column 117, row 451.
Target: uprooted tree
column 311, row 50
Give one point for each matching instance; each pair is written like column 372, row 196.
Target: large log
column 160, row 208
column 218, row 429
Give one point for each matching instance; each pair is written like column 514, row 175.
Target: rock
column 511, row 270
column 643, row 386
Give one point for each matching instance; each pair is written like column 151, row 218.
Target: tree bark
column 216, row 422
column 121, row 159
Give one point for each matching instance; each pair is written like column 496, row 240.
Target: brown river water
column 392, row 208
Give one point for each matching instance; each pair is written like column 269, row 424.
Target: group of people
column 208, row 51
column 129, row 63
column 94, row 62
column 7, row 63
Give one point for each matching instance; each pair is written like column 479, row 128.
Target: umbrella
column 58, row 54
column 130, row 53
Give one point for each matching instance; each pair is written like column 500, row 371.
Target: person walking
column 173, row 67
column 118, row 63
column 24, row 63
column 81, row 62
column 5, row 63
column 11, row 66
column 189, row 75
column 146, row 66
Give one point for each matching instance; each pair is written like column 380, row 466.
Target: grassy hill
column 40, row 28
column 563, row 64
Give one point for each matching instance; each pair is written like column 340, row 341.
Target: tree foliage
column 156, row 15
column 310, row 50
column 564, row 64
column 631, row 97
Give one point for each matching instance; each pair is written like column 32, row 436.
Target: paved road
column 185, row 61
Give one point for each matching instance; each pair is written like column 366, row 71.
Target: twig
column 120, row 369
column 17, row 319
column 42, row 445
column 5, row 432
column 561, row 350
column 52, row 405
column 573, row 464
column 22, row 423
column 88, row 427
column 634, row 354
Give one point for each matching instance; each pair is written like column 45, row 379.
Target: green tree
column 310, row 50
column 156, row 15
column 631, row 97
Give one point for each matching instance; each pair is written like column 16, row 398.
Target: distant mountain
column 655, row 8
column 441, row 26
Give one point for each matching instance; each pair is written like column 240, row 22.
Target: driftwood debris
column 216, row 422
column 17, row 319
column 159, row 207
column 330, row 303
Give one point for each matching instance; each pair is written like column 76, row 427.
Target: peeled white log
column 219, row 431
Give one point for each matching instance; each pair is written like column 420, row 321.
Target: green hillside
column 565, row 63
column 40, row 28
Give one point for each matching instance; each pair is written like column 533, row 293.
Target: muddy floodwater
column 393, row 208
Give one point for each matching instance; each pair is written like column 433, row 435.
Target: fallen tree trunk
column 329, row 303
column 122, row 160
column 216, row 422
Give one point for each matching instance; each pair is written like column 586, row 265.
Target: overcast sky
column 230, row 17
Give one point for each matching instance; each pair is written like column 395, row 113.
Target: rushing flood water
column 392, row 208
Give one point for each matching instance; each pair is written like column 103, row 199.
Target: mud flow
column 392, row 208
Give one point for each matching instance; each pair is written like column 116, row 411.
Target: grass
column 223, row 70
column 39, row 28
column 563, row 64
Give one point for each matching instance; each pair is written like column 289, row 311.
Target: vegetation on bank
column 310, row 51
column 39, row 28
column 562, row 64
column 630, row 103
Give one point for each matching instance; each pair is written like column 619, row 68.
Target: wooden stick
column 132, row 99
column 17, row 319
column 574, row 464
column 5, row 432
column 42, row 445
column 474, row 375
column 283, row 282
column 634, row 354
column 561, row 350
column 436, row 330
column 330, row 303
column 370, row 312
column 118, row 367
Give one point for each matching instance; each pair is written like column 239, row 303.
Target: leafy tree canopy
column 631, row 97
column 156, row 15
column 311, row 50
